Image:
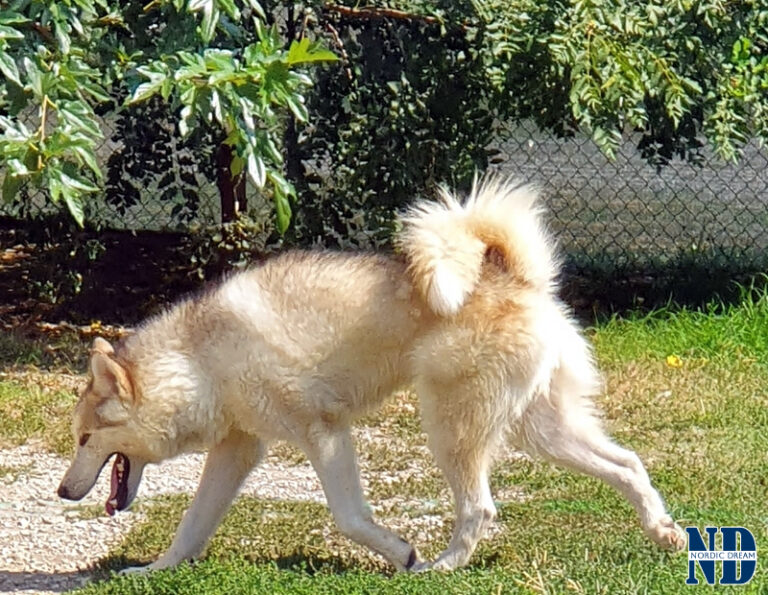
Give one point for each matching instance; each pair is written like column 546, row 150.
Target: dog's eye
column 84, row 439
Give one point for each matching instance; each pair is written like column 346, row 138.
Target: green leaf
column 237, row 166
column 185, row 117
column 62, row 36
column 71, row 187
column 74, row 203
column 256, row 7
column 232, row 138
column 79, row 115
column 303, row 52
column 297, row 107
column 211, row 15
column 256, row 169
column 229, row 7
column 216, row 59
column 14, row 131
column 9, row 69
column 197, row 5
column 35, row 77
column 268, row 144
column 88, row 157
column 17, row 168
column 142, row 92
column 54, row 183
column 157, row 72
column 12, row 18
column 75, row 182
column 75, row 23
column 282, row 209
column 166, row 88
column 10, row 33
column 95, row 90
column 280, row 182
column 11, row 186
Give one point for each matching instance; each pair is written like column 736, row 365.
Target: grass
column 31, row 410
column 10, row 473
column 699, row 420
column 61, row 349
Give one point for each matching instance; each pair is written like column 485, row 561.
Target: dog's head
column 105, row 424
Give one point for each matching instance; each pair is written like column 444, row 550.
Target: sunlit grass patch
column 716, row 332
column 261, row 531
column 28, row 412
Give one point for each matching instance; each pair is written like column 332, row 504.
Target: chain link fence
column 150, row 209
column 623, row 214
column 619, row 214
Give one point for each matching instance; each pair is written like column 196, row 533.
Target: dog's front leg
column 226, row 467
column 333, row 457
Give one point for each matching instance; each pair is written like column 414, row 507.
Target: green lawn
column 686, row 389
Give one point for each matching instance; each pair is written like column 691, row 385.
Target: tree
column 425, row 87
column 421, row 89
column 216, row 62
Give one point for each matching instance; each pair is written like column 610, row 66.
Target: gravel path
column 47, row 544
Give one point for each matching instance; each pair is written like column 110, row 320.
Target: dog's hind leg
column 331, row 452
column 226, row 467
column 463, row 432
column 565, row 430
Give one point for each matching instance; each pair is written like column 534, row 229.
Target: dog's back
column 332, row 334
column 472, row 294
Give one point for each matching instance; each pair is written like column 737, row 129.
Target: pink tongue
column 113, row 489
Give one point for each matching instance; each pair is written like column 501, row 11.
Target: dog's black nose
column 63, row 492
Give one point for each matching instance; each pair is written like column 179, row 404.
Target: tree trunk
column 231, row 191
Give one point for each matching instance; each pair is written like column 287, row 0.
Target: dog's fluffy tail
column 448, row 243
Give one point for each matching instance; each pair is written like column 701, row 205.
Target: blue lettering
column 696, row 544
column 730, row 567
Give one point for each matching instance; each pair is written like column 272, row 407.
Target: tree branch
column 372, row 12
column 44, row 32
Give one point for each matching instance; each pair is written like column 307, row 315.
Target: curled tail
column 448, row 243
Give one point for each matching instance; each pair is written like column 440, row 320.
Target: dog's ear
column 110, row 379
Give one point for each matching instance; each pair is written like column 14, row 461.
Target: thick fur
column 299, row 347
column 447, row 244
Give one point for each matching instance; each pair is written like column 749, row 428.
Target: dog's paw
column 668, row 534
column 439, row 565
column 135, row 570
column 421, row 566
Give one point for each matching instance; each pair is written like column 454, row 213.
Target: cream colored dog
column 299, row 347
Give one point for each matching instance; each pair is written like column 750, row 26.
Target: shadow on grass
column 38, row 581
column 290, row 535
column 598, row 289
column 298, row 562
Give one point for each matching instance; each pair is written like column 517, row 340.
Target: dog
column 465, row 312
